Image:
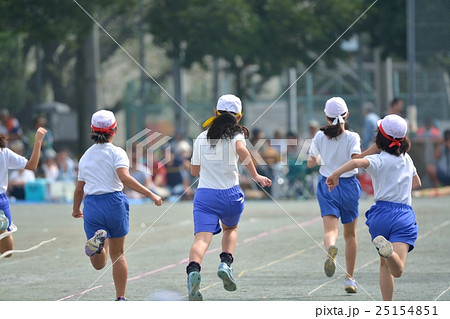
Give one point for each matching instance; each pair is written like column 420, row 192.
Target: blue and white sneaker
column 95, row 244
column 193, row 284
column 226, row 274
column 4, row 221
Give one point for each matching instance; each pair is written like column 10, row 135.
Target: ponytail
column 3, row 140
column 332, row 131
column 225, row 126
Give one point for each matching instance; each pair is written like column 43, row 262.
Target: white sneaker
column 350, row 285
column 384, row 246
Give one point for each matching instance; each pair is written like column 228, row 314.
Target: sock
column 226, row 258
column 193, row 266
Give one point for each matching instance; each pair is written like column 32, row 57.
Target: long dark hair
column 383, row 144
column 330, row 130
column 3, row 140
column 225, row 126
column 102, row 137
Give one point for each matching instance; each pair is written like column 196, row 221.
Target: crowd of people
column 281, row 156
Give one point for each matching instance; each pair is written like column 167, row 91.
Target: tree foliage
column 270, row 35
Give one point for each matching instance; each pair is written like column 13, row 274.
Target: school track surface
column 279, row 256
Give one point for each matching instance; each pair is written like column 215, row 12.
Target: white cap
column 393, row 125
column 335, row 107
column 103, row 120
column 229, row 103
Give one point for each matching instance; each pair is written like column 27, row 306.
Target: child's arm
column 245, row 157
column 77, row 199
column 130, row 182
column 195, row 170
column 416, row 182
column 373, row 149
column 313, row 161
column 36, row 154
column 333, row 180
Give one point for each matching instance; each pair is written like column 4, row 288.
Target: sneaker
column 225, row 273
column 4, row 221
column 95, row 244
column 330, row 266
column 350, row 285
column 383, row 246
column 121, row 298
column 194, row 280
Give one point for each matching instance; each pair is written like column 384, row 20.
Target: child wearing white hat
column 331, row 147
column 219, row 200
column 391, row 221
column 103, row 172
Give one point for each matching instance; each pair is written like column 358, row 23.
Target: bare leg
column 6, row 244
column 392, row 267
column 120, row 267
column 351, row 246
column 330, row 225
column 229, row 239
column 199, row 247
column 98, row 261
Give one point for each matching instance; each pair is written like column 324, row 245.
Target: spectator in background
column 177, row 176
column 47, row 144
column 10, row 126
column 370, row 127
column 181, row 147
column 67, row 169
column 50, row 168
column 429, row 130
column 396, row 107
column 440, row 172
column 313, row 128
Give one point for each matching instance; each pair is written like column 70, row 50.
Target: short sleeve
column 355, row 147
column 121, row 159
column 313, row 149
column 195, row 159
column 239, row 137
column 375, row 163
column 15, row 161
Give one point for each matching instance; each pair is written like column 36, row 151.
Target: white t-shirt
column 218, row 165
column 97, row 168
column 391, row 177
column 9, row 160
column 335, row 152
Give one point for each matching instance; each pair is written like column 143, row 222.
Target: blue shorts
column 342, row 201
column 212, row 205
column 106, row 211
column 4, row 206
column 395, row 222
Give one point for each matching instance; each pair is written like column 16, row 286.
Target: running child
column 103, row 172
column 11, row 160
column 391, row 221
column 219, row 200
column 331, row 147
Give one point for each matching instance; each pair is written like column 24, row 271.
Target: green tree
column 255, row 37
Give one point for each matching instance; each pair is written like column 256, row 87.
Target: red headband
column 104, row 130
column 394, row 141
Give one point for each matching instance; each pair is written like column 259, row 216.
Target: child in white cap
column 219, row 200
column 331, row 147
column 103, row 172
column 391, row 221
column 11, row 160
